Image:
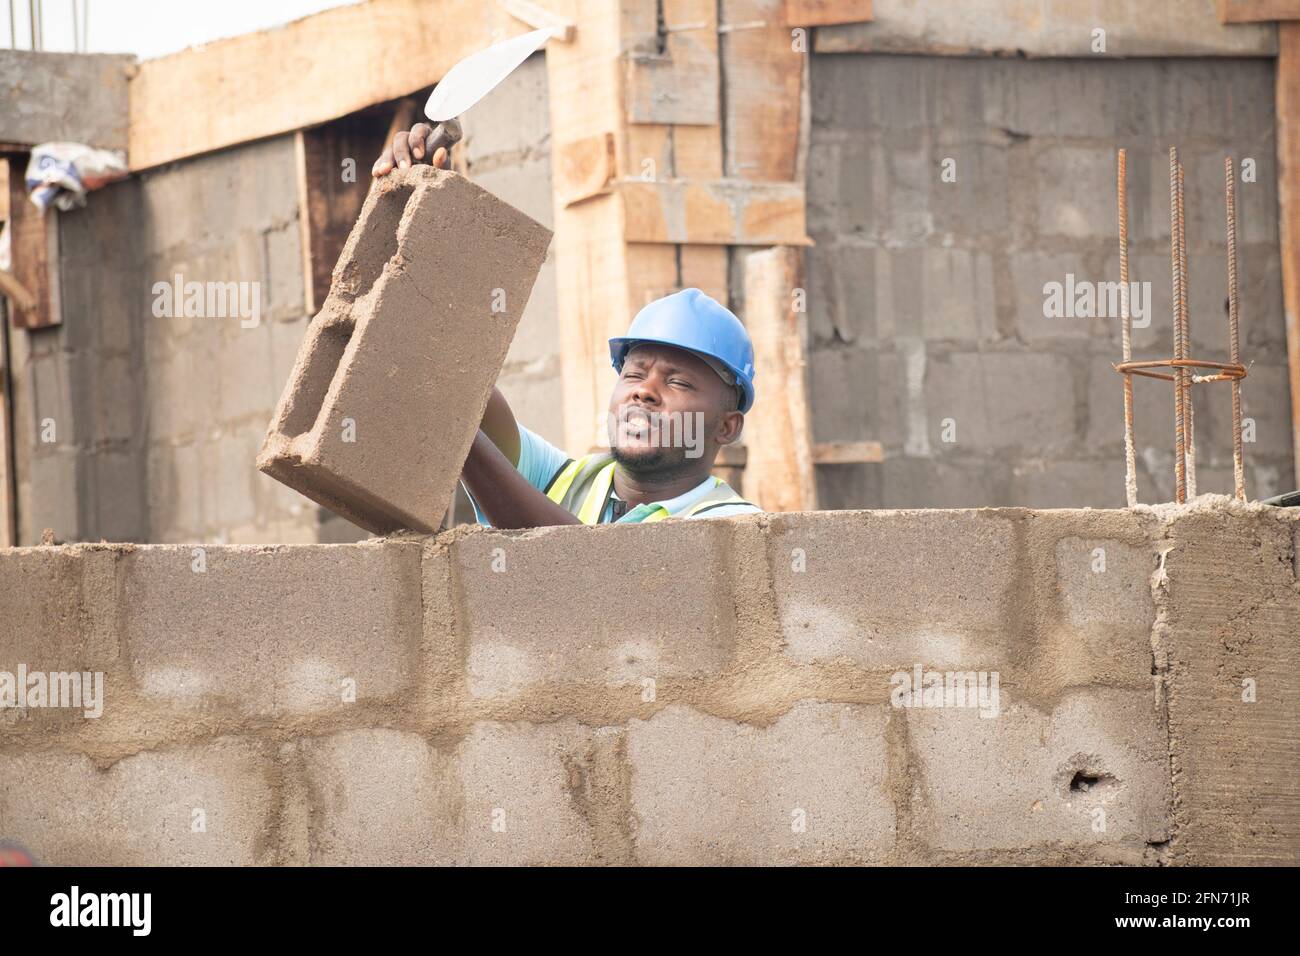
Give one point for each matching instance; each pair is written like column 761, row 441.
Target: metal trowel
column 474, row 78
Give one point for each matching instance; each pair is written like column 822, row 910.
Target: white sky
column 150, row 28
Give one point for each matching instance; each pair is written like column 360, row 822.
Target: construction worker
column 686, row 380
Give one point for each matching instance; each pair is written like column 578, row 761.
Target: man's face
column 668, row 410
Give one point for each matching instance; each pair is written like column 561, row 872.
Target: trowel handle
column 446, row 134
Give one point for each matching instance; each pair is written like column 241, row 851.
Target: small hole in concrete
column 1083, row 781
column 1095, row 783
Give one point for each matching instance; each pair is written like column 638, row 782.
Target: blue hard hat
column 691, row 320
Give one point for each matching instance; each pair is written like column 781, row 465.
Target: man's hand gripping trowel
column 468, row 82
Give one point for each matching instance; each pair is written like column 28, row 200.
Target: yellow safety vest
column 584, row 486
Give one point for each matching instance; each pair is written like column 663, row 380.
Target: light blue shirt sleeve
column 539, row 460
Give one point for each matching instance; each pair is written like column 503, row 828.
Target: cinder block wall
column 693, row 692
column 926, row 297
column 159, row 417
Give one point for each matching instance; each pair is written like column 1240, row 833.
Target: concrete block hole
column 324, row 361
column 377, row 243
column 1092, row 781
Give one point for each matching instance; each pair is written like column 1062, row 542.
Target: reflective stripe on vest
column 582, row 487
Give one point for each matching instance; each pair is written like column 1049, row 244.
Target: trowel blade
column 475, row 76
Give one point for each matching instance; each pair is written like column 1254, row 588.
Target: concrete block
column 118, row 394
column 862, row 295
column 846, row 179
column 841, row 487
column 283, row 290
column 396, row 370
column 537, row 338
column 841, row 290
column 1069, row 483
column 56, row 609
column 114, row 507
column 244, row 372
column 976, row 482
column 505, row 794
column 54, row 421
column 1232, row 616
column 1074, row 214
column 52, row 496
column 174, row 482
column 1108, row 612
column 955, row 293
column 1090, row 776
column 810, row 788
column 983, row 394
column 1032, row 271
column 977, row 202
column 184, row 395
column 235, row 483
column 200, row 805
column 272, row 631
column 945, row 588
column 844, row 382
column 534, row 613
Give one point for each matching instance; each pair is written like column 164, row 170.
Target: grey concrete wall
column 926, row 299
column 159, row 418
column 477, row 698
column 77, row 97
column 230, row 216
column 78, row 388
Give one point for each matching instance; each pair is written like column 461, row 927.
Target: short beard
column 654, row 465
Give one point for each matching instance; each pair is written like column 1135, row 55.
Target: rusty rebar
column 1130, row 458
column 1234, row 344
column 1180, row 475
column 1189, row 417
column 1181, row 368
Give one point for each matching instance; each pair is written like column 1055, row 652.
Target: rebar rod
column 1184, row 375
column 1234, row 343
column 1130, row 458
column 1180, row 475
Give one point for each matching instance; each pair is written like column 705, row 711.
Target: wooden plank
column 11, row 289
column 723, row 211
column 333, row 180
column 821, row 13
column 33, row 251
column 584, row 168
column 538, row 17
column 671, row 69
column 847, row 452
column 779, row 467
column 762, row 76
column 1256, row 11
column 8, row 506
column 1288, row 155
column 703, row 268
column 305, row 73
